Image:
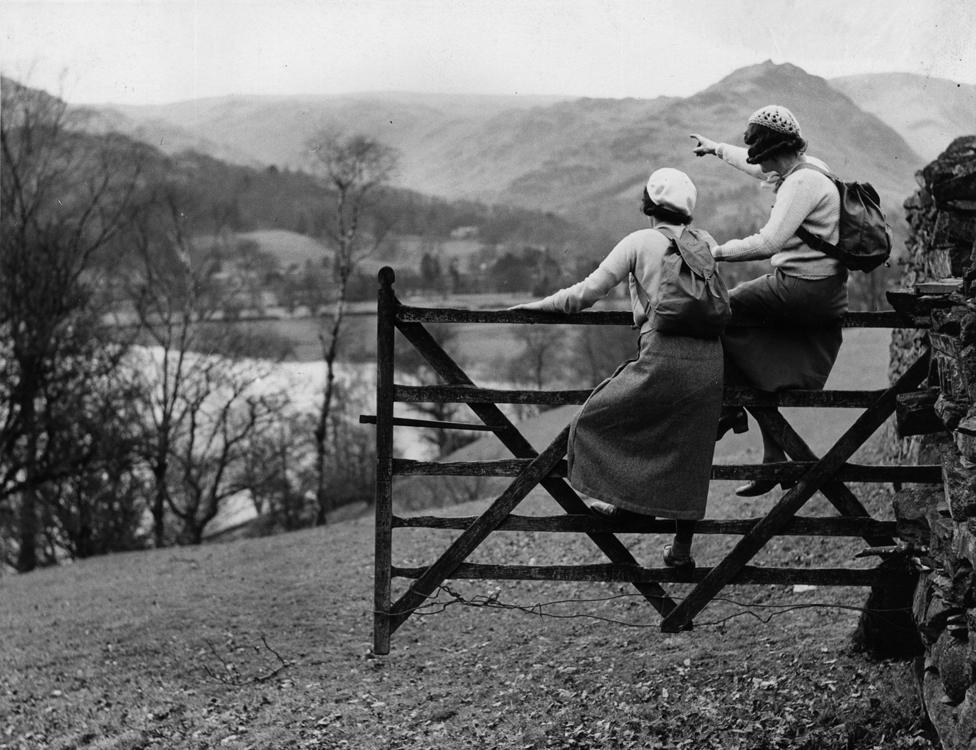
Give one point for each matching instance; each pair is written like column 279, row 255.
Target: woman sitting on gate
column 802, row 301
column 644, row 439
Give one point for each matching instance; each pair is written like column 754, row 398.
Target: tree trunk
column 28, row 525
column 159, row 509
column 27, row 532
column 84, row 542
column 194, row 533
column 323, row 502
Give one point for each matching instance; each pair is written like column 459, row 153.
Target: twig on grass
column 282, row 664
column 237, row 680
column 538, row 609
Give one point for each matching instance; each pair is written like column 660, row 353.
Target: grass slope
column 265, row 643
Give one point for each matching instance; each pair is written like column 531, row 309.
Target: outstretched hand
column 537, row 305
column 705, row 145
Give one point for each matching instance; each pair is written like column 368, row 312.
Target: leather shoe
column 606, row 510
column 735, row 420
column 758, row 487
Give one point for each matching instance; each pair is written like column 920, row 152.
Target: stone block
column 912, row 503
column 963, row 547
column 960, row 488
column 947, row 359
column 949, row 411
column 936, row 610
column 955, row 670
column 942, row 532
column 965, row 441
column 915, row 413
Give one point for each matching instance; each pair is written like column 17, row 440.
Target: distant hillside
column 168, row 137
column 284, row 213
column 605, row 167
column 273, row 130
column 856, row 144
column 927, row 112
column 583, row 159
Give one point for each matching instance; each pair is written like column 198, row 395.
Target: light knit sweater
column 637, row 257
column 804, row 197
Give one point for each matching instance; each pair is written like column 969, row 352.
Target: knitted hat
column 776, row 118
column 672, row 189
column 771, row 131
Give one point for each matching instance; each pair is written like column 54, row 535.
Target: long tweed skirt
column 800, row 345
column 644, row 439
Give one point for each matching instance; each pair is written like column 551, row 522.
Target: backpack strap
column 701, row 263
column 642, row 297
column 808, row 237
column 818, row 243
column 635, row 285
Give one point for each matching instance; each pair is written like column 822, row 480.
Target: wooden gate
column 528, row 468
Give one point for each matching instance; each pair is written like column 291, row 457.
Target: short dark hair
column 661, row 213
column 765, row 143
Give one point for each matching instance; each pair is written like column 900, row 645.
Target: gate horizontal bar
column 461, row 394
column 609, row 572
column 411, row 314
column 781, row 471
column 800, row 526
column 431, row 423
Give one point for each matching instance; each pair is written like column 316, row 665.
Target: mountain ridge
column 928, row 112
column 579, row 157
column 549, row 153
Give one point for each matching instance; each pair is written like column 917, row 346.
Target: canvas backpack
column 692, row 298
column 864, row 240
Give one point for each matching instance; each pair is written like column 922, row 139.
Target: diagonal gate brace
column 791, row 502
column 478, row 531
column 511, row 438
column 835, row 491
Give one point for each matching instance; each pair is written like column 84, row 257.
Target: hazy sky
column 154, row 51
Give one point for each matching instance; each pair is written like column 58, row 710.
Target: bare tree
column 412, row 364
column 200, row 396
column 278, row 472
column 170, row 297
column 355, row 168
column 223, row 412
column 542, row 356
column 101, row 510
column 64, row 197
column 598, row 350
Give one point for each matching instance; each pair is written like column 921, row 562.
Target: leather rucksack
column 864, row 241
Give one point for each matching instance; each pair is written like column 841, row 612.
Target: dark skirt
column 800, row 345
column 644, row 439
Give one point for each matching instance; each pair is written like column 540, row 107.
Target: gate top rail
column 414, row 314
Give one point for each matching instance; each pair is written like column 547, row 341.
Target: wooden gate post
column 382, row 597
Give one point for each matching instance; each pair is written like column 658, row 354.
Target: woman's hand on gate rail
column 537, row 305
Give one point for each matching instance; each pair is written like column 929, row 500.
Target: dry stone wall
column 939, row 523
